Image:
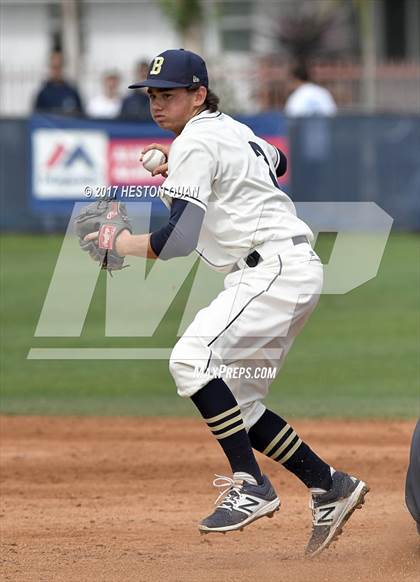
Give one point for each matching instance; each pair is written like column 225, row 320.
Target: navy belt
column 254, row 258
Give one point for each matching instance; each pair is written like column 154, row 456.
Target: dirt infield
column 109, row 499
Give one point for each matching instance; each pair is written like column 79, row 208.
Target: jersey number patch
column 259, row 152
column 157, row 65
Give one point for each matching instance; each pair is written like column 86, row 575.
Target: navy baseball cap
column 175, row 68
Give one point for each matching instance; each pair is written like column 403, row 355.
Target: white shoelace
column 230, row 491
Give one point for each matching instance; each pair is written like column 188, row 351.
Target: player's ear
column 200, row 95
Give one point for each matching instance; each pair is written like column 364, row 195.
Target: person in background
column 412, row 484
column 305, row 97
column 136, row 105
column 56, row 95
column 310, row 110
column 108, row 103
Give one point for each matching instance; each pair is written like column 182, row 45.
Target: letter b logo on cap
column 157, row 65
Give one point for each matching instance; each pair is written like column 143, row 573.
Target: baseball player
column 412, row 483
column 239, row 222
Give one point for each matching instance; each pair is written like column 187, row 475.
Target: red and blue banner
column 71, row 156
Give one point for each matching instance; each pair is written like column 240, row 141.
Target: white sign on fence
column 66, row 161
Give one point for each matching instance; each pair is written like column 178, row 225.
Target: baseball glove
column 108, row 218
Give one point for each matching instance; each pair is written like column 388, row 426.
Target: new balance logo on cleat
column 241, row 504
column 247, row 506
column 323, row 519
column 332, row 509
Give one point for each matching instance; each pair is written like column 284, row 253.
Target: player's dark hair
column 212, row 100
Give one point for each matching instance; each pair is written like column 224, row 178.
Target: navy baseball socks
column 220, row 411
column 274, row 437
column 248, row 495
column 334, row 495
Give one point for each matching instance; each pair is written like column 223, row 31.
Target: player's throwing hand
column 162, row 169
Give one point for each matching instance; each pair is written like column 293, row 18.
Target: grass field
column 357, row 357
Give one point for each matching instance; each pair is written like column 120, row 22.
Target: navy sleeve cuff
column 281, row 166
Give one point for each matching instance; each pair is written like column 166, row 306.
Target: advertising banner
column 75, row 159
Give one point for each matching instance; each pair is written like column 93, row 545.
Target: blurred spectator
column 306, row 98
column 136, row 104
column 56, row 94
column 108, row 104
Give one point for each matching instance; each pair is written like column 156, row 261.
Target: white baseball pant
column 249, row 326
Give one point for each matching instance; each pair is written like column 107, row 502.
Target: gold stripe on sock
column 276, row 439
column 283, row 446
column 230, row 432
column 291, row 452
column 222, row 414
column 225, row 424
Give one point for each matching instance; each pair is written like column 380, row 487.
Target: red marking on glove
column 113, row 212
column 106, row 236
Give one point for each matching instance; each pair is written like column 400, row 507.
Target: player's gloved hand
column 98, row 226
column 163, row 169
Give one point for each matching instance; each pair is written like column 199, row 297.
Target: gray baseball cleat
column 332, row 509
column 242, row 503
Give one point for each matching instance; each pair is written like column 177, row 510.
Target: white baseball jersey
column 220, row 165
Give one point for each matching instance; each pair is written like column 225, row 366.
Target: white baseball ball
column 152, row 159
